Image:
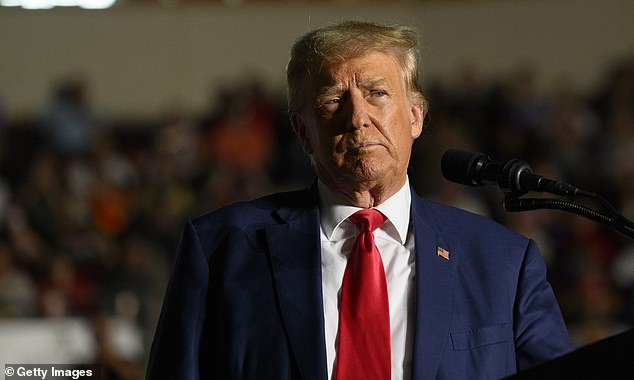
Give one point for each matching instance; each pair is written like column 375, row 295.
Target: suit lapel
column 294, row 248
column 434, row 292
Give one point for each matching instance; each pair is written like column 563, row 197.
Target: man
column 302, row 285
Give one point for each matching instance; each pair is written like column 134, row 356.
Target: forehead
column 372, row 67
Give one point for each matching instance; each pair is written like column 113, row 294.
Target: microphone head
column 462, row 167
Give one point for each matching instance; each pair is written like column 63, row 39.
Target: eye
column 336, row 100
column 378, row 93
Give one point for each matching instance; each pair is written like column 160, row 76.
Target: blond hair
column 337, row 43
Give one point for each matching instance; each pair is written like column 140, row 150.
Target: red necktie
column 363, row 344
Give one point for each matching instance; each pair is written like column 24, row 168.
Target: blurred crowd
column 91, row 208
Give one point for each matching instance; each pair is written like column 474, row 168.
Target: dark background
column 118, row 125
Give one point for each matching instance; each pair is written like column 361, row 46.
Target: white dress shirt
column 395, row 241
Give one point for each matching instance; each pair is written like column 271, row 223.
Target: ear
column 417, row 115
column 301, row 130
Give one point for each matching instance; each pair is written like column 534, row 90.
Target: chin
column 372, row 171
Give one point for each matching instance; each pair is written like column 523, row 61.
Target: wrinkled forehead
column 369, row 69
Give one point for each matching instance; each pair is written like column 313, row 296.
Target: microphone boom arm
column 516, row 178
column 616, row 222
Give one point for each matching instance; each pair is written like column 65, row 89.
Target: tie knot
column 367, row 219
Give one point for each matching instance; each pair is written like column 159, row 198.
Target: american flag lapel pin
column 441, row 252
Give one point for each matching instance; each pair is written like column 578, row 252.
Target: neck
column 366, row 194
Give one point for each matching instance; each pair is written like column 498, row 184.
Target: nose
column 358, row 112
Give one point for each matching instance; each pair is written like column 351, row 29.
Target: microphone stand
column 511, row 179
column 604, row 355
column 610, row 217
column 516, row 178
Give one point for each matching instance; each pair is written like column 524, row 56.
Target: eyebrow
column 329, row 90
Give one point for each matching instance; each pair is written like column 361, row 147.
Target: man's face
column 359, row 123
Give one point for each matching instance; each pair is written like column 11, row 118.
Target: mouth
column 361, row 146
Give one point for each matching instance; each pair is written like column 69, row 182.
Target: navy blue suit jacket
column 245, row 302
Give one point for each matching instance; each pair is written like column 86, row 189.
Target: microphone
column 513, row 177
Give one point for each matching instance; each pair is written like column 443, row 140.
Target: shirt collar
column 333, row 213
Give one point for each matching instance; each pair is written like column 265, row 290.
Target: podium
column 610, row 358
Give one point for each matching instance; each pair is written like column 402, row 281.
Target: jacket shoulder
column 466, row 225
column 259, row 210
